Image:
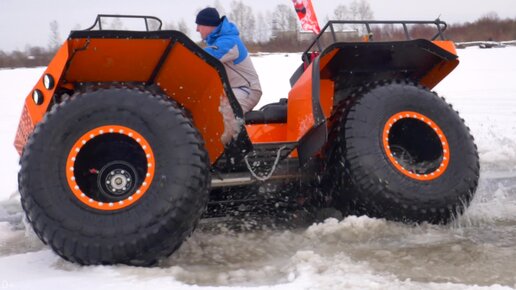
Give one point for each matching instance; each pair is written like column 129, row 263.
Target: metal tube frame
column 440, row 26
column 144, row 17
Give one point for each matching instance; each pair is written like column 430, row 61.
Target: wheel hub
column 117, row 179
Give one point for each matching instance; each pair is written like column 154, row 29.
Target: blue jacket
column 225, row 44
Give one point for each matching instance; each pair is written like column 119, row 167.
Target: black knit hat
column 208, row 17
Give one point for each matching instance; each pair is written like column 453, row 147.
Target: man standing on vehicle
column 224, row 43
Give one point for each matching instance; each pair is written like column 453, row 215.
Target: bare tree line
column 279, row 31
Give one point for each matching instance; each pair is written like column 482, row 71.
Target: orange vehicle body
column 300, row 105
column 197, row 81
column 183, row 76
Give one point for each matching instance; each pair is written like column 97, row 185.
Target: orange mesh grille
column 25, row 128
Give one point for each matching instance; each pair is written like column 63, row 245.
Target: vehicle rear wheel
column 114, row 175
column 400, row 152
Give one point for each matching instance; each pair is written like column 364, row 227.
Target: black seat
column 273, row 113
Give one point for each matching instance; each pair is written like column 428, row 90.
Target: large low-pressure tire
column 114, row 175
column 398, row 151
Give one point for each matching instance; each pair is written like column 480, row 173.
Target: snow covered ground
column 477, row 252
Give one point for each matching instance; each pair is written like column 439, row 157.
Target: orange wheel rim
column 431, row 126
column 130, row 198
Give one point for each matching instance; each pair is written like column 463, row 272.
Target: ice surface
column 478, row 251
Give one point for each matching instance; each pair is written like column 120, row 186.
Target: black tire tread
column 357, row 192
column 61, row 236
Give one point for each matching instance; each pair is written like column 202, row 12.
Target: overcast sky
column 24, row 22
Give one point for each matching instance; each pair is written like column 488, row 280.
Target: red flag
column 306, row 13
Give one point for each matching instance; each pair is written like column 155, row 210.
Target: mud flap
column 312, row 142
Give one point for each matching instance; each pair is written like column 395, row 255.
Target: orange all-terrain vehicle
column 121, row 150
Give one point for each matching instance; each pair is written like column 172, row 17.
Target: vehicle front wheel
column 114, row 175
